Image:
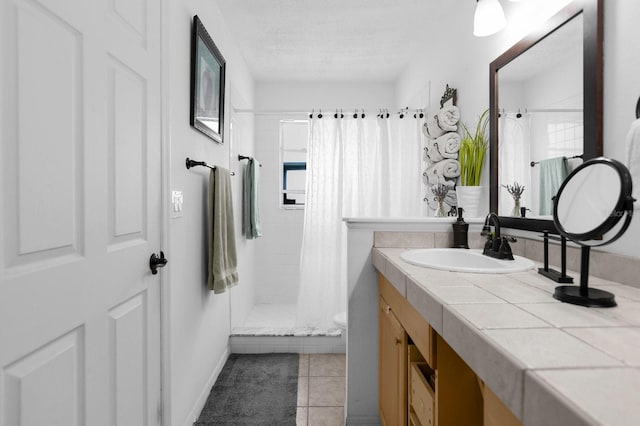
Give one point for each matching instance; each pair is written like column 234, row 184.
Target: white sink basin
column 463, row 260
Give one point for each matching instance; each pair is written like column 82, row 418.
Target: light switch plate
column 176, row 203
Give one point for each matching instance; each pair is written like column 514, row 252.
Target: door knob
column 156, row 262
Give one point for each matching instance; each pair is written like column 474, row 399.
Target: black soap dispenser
column 460, row 232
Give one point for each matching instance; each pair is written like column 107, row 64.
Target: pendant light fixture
column 488, row 19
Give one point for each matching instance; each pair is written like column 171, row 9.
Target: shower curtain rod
column 525, row 110
column 323, row 111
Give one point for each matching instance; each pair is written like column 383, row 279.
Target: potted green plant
column 473, row 149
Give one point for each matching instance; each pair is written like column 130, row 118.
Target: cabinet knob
column 388, row 309
column 398, row 340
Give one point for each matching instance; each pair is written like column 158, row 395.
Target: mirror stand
column 583, row 295
column 552, row 274
column 588, row 210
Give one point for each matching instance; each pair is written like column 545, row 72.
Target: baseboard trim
column 202, row 398
column 363, row 420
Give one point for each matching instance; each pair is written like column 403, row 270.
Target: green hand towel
column 222, row 240
column 552, row 173
column 251, row 212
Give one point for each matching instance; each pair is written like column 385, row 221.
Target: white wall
column 242, row 297
column 278, row 251
column 463, row 62
column 453, row 55
column 199, row 320
column 621, row 91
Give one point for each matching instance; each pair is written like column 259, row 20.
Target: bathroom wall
column 199, row 321
column 278, row 251
column 463, row 62
column 621, row 91
column 558, row 87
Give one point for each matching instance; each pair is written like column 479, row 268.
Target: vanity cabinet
column 423, row 382
column 393, row 356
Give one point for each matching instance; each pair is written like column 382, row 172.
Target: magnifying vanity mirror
column 546, row 114
column 593, row 207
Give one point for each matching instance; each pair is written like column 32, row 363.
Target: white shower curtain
column 515, row 158
column 355, row 168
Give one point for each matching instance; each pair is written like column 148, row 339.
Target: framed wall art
column 207, row 84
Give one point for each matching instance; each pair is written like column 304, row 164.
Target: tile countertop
column 550, row 362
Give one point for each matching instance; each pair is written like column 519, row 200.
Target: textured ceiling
column 327, row 40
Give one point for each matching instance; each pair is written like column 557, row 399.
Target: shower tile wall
column 278, row 250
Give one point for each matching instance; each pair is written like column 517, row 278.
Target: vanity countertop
column 550, row 362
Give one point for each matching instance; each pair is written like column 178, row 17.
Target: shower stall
column 269, row 325
column 359, row 166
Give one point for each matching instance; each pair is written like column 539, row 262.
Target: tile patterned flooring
column 321, row 390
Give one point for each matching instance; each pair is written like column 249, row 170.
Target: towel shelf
column 244, row 157
column 192, row 163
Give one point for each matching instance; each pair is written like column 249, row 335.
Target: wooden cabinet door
column 392, row 368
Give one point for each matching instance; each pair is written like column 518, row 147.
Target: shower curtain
column 515, row 157
column 355, row 168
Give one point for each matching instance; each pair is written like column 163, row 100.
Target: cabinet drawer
column 421, row 395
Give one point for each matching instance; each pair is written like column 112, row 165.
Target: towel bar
column 533, row 163
column 192, row 163
column 244, row 157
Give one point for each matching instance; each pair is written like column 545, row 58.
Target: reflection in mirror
column 540, row 125
column 588, row 199
column 546, row 105
column 592, row 201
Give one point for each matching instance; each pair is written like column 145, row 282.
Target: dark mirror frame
column 592, row 80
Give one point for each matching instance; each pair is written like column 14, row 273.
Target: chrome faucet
column 496, row 246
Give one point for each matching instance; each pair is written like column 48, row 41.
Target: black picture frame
column 207, row 84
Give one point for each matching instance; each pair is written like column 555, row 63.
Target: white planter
column 469, row 199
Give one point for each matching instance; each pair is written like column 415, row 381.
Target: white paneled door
column 79, row 212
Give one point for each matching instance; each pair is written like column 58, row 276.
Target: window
column 293, row 162
column 565, row 137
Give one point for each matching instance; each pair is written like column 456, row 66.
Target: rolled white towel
column 449, row 145
column 448, row 117
column 433, row 151
column 431, row 129
column 440, row 172
column 450, row 168
column 632, row 149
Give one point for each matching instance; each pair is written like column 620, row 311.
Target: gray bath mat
column 260, row 389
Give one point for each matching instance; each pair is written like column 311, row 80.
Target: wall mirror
column 546, row 114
